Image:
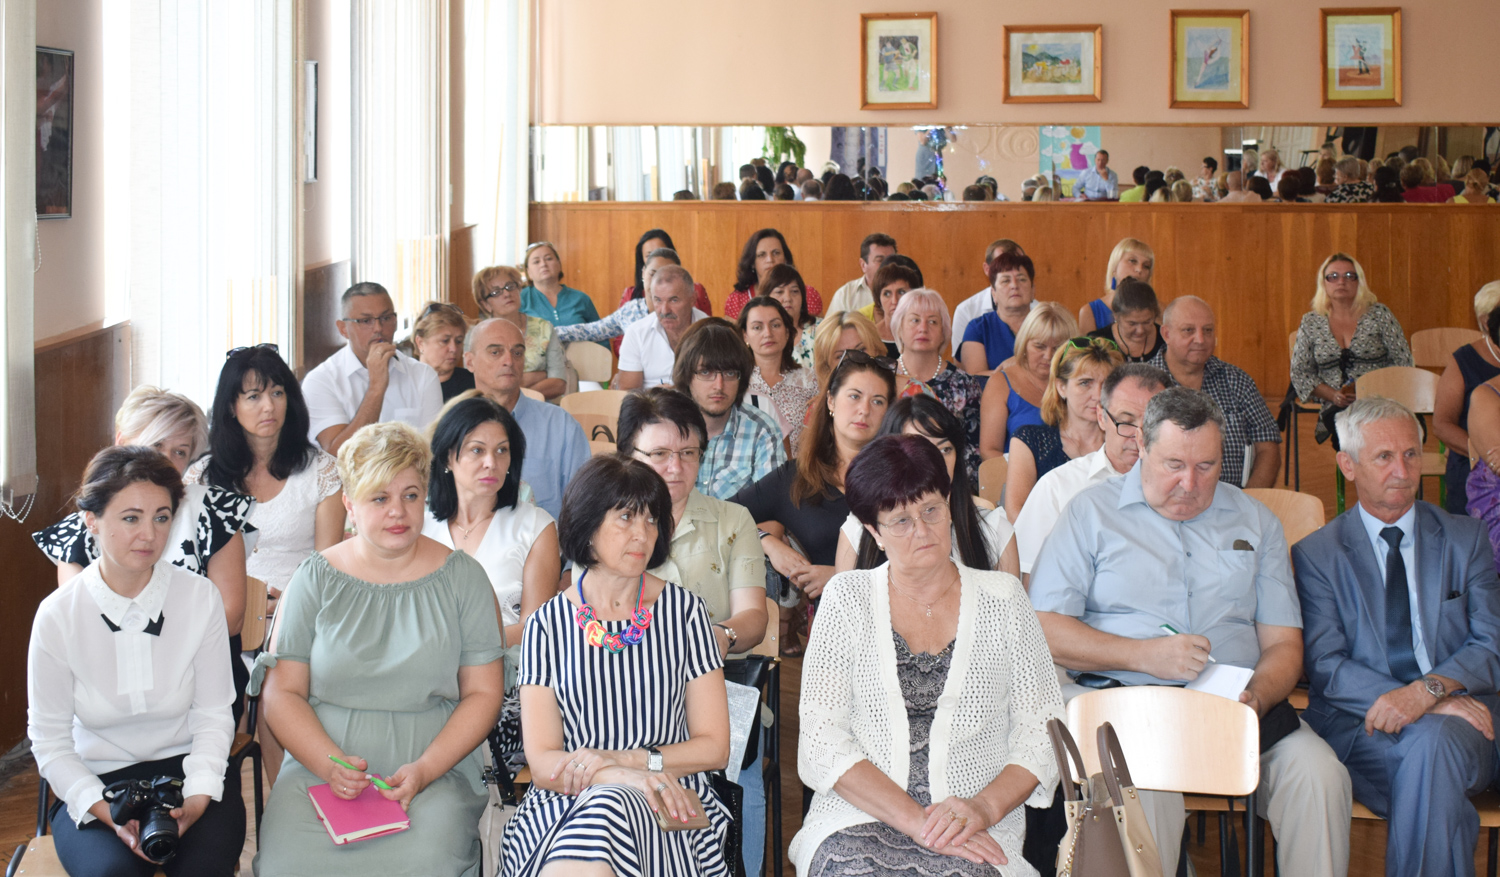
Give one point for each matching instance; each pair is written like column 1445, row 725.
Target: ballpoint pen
column 1175, row 632
column 379, row 783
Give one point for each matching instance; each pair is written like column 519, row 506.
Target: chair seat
column 1487, row 803
column 523, row 776
column 241, row 741
column 41, row 860
column 1212, row 803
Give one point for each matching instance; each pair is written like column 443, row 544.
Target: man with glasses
column 368, row 380
column 744, row 443
column 1122, row 404
column 650, row 345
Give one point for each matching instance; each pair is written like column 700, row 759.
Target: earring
column 446, row 470
column 880, row 545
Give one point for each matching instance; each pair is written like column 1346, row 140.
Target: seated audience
column 1070, row 417
column 975, row 193
column 922, row 332
column 1289, row 189
column 116, row 693
column 1136, row 193
column 724, row 192
column 784, row 284
column 1323, row 177
column 1204, row 188
column 1097, row 183
column 1134, row 328
column 1122, row 405
column 649, row 242
column 368, row 380
column 388, row 655
column 750, row 190
column 545, row 369
column 1013, row 396
column 1346, row 334
column 862, row 711
column 747, row 172
column 1388, row 188
column 714, row 554
column 1044, row 194
column 600, row 776
column 982, row 301
column 545, row 296
column 1129, row 258
column 845, row 330
column 1418, row 189
column 894, row 279
column 633, row 309
column 1271, row 169
column 1476, row 189
column 437, row 337
column 858, row 292
column 991, row 185
column 1250, row 457
column 1468, row 367
column 1349, row 184
column 1181, row 192
column 1261, row 188
column 783, row 192
column 1172, row 174
column 650, row 344
column 982, row 538
column 743, row 443
column 1135, row 554
column 990, row 338
column 494, row 351
column 766, row 177
column 763, row 250
column 1409, row 705
column 812, row 190
column 1235, row 191
column 787, row 172
column 777, row 384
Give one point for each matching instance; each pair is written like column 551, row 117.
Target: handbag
column 1107, row 831
column 500, row 807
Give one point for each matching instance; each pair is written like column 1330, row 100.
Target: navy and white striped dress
column 626, row 700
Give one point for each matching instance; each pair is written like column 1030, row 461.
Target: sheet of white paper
column 744, row 710
column 1223, row 680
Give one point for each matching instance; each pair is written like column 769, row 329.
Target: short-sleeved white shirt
column 1050, row 496
column 645, row 349
column 335, row 388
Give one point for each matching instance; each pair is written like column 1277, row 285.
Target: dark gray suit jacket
column 1343, row 615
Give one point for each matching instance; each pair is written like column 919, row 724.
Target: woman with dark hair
column 126, row 680
column 784, row 283
column 922, row 737
column 1262, row 187
column 766, row 177
column 750, row 190
column 1388, row 188
column 982, row 538
column 839, row 188
column 990, row 339
column 656, row 239
column 764, row 250
column 897, row 276
column 622, row 697
column 1135, row 328
column 786, row 172
column 778, row 385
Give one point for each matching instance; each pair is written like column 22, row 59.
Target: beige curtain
column 18, row 475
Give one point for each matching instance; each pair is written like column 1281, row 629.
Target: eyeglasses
column 435, row 306
column 1332, row 276
column 708, row 374
column 1124, row 430
column 932, row 516
column 859, row 357
column 660, row 456
column 1084, row 342
column 367, row 322
column 238, row 350
column 509, row 287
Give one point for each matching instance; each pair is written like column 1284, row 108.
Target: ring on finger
column 661, row 787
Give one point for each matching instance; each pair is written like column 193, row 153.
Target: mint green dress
column 384, row 663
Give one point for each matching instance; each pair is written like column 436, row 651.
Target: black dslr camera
column 150, row 802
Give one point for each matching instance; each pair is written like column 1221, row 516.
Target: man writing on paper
column 1169, row 544
column 1403, row 624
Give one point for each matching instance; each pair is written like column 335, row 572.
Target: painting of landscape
column 1057, row 63
column 1052, row 63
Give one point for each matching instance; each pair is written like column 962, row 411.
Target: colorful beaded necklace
column 594, row 632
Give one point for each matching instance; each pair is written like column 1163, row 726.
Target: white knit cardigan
column 1000, row 692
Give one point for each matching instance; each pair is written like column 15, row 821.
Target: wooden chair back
column 253, row 630
column 1174, row 740
column 1301, row 514
column 1430, row 348
column 593, row 362
column 1416, row 388
column 770, row 645
column 533, row 394
column 983, row 504
column 992, row 479
column 1291, row 342
column 601, row 448
column 594, row 407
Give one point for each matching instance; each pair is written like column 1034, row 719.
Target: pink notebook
column 369, row 815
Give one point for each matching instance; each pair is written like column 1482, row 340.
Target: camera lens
column 159, row 836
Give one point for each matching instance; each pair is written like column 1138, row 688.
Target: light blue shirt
column 555, row 448
column 1097, row 186
column 1408, row 526
column 1114, row 563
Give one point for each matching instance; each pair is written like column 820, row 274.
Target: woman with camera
column 129, row 691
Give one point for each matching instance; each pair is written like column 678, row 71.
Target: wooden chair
column 253, row 630
column 992, row 479
column 1300, row 513
column 533, row 394
column 1430, row 348
column 1415, row 388
column 1293, row 466
column 601, row 449
column 592, row 362
column 983, row 504
column 593, row 408
column 38, row 858
column 1175, row 740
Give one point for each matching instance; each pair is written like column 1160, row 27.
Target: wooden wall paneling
column 322, row 288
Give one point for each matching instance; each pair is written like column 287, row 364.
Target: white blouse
column 993, row 712
column 996, row 529
column 503, row 550
column 146, row 681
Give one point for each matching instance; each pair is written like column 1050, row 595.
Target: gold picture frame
column 1205, row 74
column 898, row 54
column 1053, row 63
column 1359, row 61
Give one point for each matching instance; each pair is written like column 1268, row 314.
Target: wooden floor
column 18, row 794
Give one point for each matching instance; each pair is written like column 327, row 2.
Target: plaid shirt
column 1247, row 420
column 746, row 451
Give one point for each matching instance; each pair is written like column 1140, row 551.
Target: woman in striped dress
column 622, row 697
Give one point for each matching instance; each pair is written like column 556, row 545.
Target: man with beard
column 650, row 344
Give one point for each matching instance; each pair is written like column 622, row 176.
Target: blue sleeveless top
column 1019, row 412
column 1103, row 316
column 1045, row 443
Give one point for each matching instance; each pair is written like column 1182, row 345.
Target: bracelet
column 761, row 534
column 729, row 632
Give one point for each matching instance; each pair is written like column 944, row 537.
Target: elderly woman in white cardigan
column 926, row 689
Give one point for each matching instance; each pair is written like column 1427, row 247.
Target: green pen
column 379, row 783
column 1167, row 627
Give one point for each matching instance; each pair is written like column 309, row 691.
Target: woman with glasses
column 1070, row 417
column 545, row 296
column 778, row 385
column 437, row 338
column 1013, row 396
column 1346, row 334
column 784, row 283
column 923, row 329
column 921, row 737
column 1130, row 258
column 1136, row 329
column 497, row 291
column 990, row 338
column 764, row 250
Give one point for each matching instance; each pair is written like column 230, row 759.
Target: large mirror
column 656, row 163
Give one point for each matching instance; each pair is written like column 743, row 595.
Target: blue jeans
column 753, row 817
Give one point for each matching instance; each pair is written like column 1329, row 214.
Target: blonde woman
column 1270, row 166
column 1013, row 396
column 1347, row 333
column 1182, row 192
column 497, row 291
column 845, row 330
column 1476, row 189
column 923, row 328
column 1468, row 367
column 1044, row 194
column 437, row 339
column 1130, row 258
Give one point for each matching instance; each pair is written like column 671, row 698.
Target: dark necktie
column 1399, row 653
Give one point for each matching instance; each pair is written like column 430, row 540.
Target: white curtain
column 497, row 86
column 18, row 476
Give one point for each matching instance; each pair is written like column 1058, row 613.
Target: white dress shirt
column 100, row 700
column 1045, row 503
column 335, row 389
column 850, row 297
column 645, row 349
column 1408, row 525
column 968, row 310
column 502, row 550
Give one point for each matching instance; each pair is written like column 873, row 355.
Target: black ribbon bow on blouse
column 152, row 627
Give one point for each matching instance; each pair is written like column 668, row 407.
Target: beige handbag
column 1107, row 831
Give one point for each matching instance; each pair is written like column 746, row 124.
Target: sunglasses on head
column 859, row 357
column 435, row 306
column 1084, row 342
column 238, row 350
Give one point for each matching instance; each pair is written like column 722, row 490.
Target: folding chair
column 1430, row 348
column 595, row 408
column 592, row 362
column 1300, row 513
column 1415, row 388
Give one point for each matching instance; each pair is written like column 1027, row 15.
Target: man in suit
column 1401, row 620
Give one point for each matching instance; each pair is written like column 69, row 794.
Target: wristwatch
column 1434, row 687
column 653, row 759
column 729, row 632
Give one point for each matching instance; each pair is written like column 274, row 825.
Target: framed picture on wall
column 898, row 61
column 1210, row 59
column 1361, row 57
column 54, row 133
column 1053, row 63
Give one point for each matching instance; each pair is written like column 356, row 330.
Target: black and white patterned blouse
column 1317, row 358
column 206, row 519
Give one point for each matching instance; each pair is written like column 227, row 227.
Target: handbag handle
column 1064, row 749
column 1112, row 763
